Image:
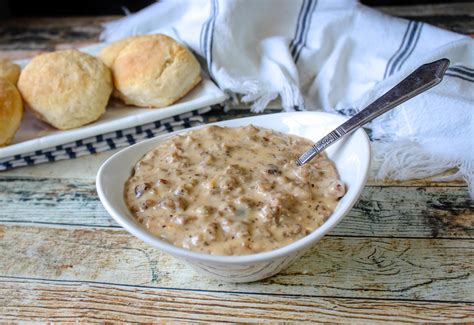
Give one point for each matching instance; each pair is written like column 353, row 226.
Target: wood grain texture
column 382, row 211
column 43, row 34
column 458, row 17
column 403, row 255
column 423, row 269
column 94, row 302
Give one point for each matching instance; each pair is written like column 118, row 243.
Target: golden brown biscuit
column 110, row 52
column 66, row 89
column 11, row 111
column 9, row 71
column 152, row 70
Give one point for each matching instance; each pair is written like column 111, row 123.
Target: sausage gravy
column 232, row 191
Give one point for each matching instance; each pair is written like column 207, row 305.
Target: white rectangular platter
column 35, row 135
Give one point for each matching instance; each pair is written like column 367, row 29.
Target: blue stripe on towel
column 211, row 37
column 205, row 31
column 207, row 36
column 299, row 24
column 202, row 38
column 398, row 52
column 302, row 28
column 461, row 72
column 458, row 66
column 460, row 76
column 418, row 27
column 306, row 26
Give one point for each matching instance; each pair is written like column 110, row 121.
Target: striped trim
column 418, row 28
column 298, row 26
column 461, row 68
column 302, row 28
column 202, row 38
column 461, row 72
column 459, row 76
column 207, row 35
column 407, row 46
column 105, row 142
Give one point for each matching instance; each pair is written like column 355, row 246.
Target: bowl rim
column 293, row 247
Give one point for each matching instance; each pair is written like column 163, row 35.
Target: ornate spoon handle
column 422, row 79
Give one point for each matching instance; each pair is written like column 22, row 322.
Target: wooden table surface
column 405, row 253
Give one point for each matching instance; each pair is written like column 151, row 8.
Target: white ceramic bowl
column 351, row 156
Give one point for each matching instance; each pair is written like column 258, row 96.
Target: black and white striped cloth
column 105, row 142
column 334, row 55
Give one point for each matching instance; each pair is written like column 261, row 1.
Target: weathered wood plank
column 59, row 22
column 422, row 269
column 41, row 200
column 435, row 270
column 443, row 212
column 42, row 34
column 423, row 182
column 71, row 301
column 458, row 17
column 411, row 212
column 451, row 8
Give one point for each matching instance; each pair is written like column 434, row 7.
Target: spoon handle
column 422, row 79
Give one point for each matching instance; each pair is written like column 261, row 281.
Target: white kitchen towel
column 335, row 55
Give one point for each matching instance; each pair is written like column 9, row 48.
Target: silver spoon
column 422, row 79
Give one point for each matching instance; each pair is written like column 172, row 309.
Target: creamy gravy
column 232, row 191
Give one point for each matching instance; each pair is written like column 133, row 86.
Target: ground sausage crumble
column 232, row 191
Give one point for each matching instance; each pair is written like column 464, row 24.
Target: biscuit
column 9, row 71
column 151, row 70
column 11, row 111
column 110, row 52
column 66, row 89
